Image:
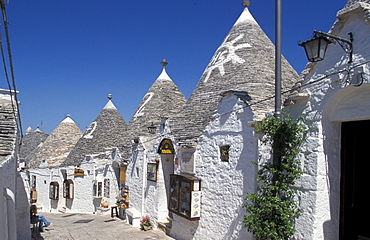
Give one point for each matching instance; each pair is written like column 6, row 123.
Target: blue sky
column 69, row 55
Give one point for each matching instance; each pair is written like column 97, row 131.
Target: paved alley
column 92, row 227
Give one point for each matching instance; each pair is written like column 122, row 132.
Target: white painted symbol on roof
column 147, row 98
column 226, row 53
column 90, row 130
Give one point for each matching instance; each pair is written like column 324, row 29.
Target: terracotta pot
column 147, row 228
column 104, row 204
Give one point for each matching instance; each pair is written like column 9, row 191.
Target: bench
column 133, row 217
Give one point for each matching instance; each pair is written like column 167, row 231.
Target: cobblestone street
column 75, row 226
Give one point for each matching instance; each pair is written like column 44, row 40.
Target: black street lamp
column 152, row 128
column 316, row 47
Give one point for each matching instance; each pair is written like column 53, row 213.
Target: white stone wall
column 135, row 175
column 223, row 184
column 83, row 201
column 8, row 227
column 332, row 101
column 148, row 197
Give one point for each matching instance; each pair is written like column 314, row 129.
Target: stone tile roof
column 245, row 61
column 57, row 145
column 352, row 2
column 103, row 135
column 29, row 143
column 163, row 100
column 8, row 126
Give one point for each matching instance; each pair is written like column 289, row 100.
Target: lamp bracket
column 346, row 44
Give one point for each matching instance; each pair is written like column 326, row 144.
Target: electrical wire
column 18, row 119
column 273, row 96
column 293, row 89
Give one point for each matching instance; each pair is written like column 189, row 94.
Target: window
column 185, row 196
column 54, row 190
column 68, row 189
column 107, row 188
column 224, row 153
column 97, row 189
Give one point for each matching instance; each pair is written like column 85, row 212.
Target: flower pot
column 147, row 228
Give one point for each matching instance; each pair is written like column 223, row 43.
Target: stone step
column 165, row 226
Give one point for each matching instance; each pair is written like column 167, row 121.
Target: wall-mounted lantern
column 152, row 128
column 316, row 47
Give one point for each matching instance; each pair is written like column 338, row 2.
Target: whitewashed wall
column 14, row 215
column 8, row 226
column 331, row 101
column 223, row 184
column 147, row 197
column 136, row 177
column 83, row 201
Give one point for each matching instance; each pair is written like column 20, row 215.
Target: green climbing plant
column 273, row 208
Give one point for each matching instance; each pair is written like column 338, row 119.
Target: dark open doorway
column 355, row 181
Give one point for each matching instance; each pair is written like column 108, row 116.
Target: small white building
column 145, row 178
column 86, row 177
column 14, row 207
column 198, row 169
column 334, row 96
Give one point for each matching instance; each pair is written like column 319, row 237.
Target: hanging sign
column 166, row 147
column 79, row 172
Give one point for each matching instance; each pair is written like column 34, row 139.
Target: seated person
column 38, row 218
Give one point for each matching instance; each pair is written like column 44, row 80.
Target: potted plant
column 145, row 223
column 224, row 152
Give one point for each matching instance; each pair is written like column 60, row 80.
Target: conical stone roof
column 352, row 2
column 29, row 144
column 103, row 135
column 57, row 145
column 8, row 125
column 245, row 61
column 163, row 100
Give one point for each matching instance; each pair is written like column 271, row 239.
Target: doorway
column 167, row 163
column 355, row 181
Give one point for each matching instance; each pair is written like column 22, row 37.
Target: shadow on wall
column 69, row 203
column 180, row 232
column 345, row 105
column 22, row 210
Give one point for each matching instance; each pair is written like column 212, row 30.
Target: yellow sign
column 79, row 172
column 166, row 147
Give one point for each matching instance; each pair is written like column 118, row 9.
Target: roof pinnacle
column 110, row 96
column 164, row 63
column 246, row 3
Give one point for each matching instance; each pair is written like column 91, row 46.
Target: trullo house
column 90, row 171
column 197, row 169
column 162, row 101
column 334, row 96
column 14, row 215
